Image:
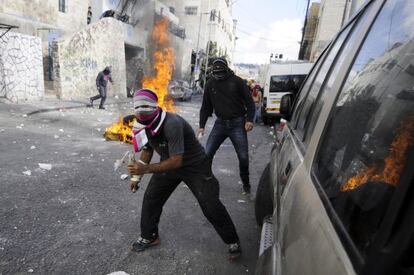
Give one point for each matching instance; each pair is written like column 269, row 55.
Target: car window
column 371, row 129
column 326, row 87
column 305, row 88
column 310, row 98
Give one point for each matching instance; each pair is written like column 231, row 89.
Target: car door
column 308, row 244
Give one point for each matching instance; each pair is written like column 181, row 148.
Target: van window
column 286, row 83
column 371, row 130
column 314, row 90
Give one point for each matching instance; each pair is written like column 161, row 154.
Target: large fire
column 164, row 60
column 120, row 131
column 389, row 172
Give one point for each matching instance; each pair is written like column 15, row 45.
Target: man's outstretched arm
column 138, row 168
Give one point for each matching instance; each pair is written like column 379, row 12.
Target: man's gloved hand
column 248, row 126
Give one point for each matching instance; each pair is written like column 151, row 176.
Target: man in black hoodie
column 229, row 97
column 101, row 83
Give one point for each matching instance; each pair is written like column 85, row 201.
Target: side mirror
column 286, row 105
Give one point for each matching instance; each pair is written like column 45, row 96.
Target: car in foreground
column 337, row 196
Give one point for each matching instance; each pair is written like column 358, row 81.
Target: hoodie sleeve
column 248, row 101
column 98, row 80
column 206, row 107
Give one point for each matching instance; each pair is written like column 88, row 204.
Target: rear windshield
column 286, row 83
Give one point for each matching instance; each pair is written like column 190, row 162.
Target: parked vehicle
column 180, row 89
column 338, row 194
column 282, row 83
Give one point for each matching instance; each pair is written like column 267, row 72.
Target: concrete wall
column 21, row 68
column 182, row 57
column 78, row 59
column 74, row 18
column 332, row 15
column 33, row 17
column 310, row 30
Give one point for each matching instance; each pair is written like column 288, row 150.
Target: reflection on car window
column 286, row 83
column 326, row 87
column 311, row 96
column 364, row 151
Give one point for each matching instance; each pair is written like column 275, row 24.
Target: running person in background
column 101, row 84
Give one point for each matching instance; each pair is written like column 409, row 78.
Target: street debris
column 241, row 201
column 32, row 147
column 56, row 136
column 45, row 166
column 27, row 173
column 124, row 176
column 30, row 271
column 24, row 115
column 61, row 130
column 118, row 163
column 2, row 130
column 20, row 126
column 118, row 273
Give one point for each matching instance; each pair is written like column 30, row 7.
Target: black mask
column 220, row 72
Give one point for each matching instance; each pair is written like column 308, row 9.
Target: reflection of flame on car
column 120, row 131
column 390, row 170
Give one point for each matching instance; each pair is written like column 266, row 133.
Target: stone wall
column 21, row 68
column 78, row 58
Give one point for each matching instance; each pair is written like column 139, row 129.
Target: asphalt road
column 80, row 217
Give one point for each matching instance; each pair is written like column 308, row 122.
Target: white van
column 282, row 82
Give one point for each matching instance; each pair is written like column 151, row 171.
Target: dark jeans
column 205, row 188
column 101, row 95
column 233, row 129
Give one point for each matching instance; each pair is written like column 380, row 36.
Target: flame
column 394, row 163
column 164, row 60
column 119, row 131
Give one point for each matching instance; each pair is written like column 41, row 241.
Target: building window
column 172, row 10
column 191, row 10
column 62, row 5
column 213, row 15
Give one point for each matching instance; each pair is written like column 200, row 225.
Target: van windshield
column 286, row 83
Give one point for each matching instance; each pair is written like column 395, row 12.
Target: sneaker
column 246, row 189
column 102, row 108
column 235, row 250
column 141, row 244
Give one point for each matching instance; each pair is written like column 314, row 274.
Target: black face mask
column 220, row 72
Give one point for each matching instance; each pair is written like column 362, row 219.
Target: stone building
column 206, row 21
column 333, row 14
column 35, row 23
column 72, row 52
column 310, row 32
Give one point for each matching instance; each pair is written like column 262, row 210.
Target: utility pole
column 302, row 48
column 198, row 46
column 208, row 46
